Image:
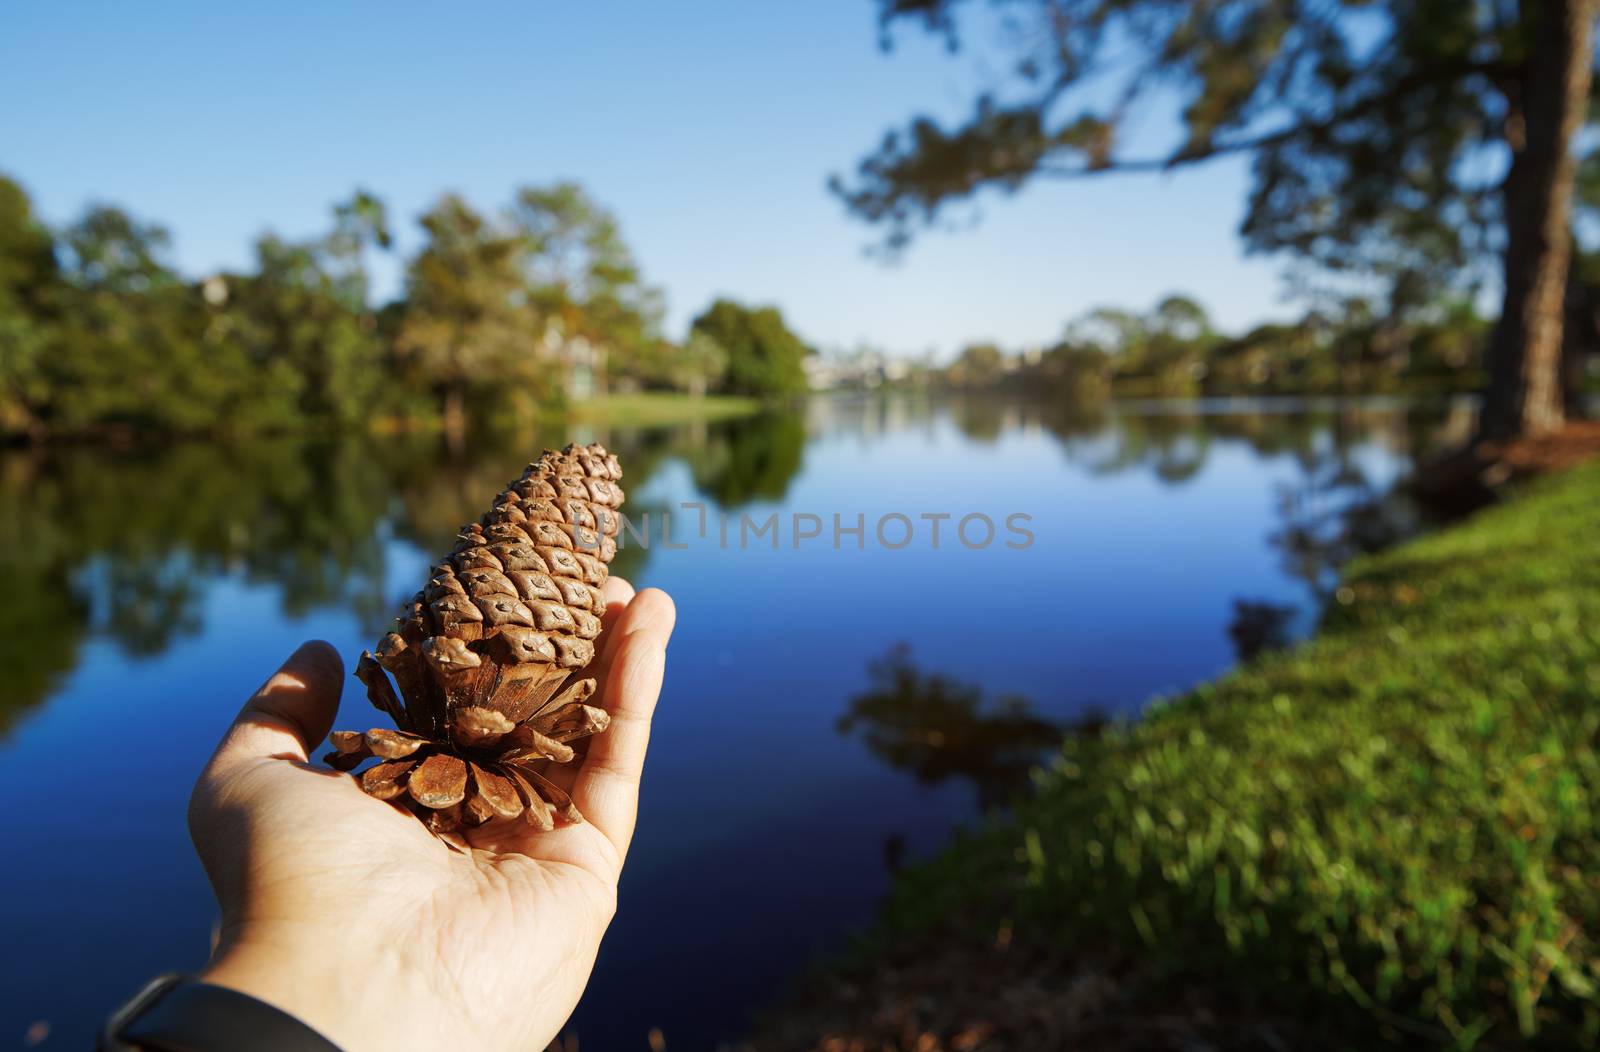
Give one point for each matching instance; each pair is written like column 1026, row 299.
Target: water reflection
column 1335, row 509
column 123, row 544
column 750, row 459
column 936, row 727
column 1260, row 626
column 1334, row 512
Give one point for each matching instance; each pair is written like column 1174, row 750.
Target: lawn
column 658, row 409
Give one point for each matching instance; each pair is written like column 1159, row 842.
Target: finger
column 607, row 785
column 291, row 712
column 618, row 594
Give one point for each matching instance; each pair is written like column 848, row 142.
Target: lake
column 834, row 704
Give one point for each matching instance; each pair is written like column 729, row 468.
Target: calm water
column 150, row 592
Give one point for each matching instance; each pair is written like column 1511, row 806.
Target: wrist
column 356, row 1005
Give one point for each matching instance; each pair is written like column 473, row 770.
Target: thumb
column 291, row 712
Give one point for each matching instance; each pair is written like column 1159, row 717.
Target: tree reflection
column 1330, row 512
column 749, row 459
column 982, row 418
column 1334, row 511
column 1176, row 440
column 148, row 602
column 44, row 621
column 1258, row 627
column 936, row 728
column 126, row 545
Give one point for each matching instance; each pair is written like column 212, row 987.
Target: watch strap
column 175, row 1013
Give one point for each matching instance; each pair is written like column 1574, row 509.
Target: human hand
column 345, row 912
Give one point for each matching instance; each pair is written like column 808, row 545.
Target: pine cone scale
column 386, row 781
column 392, row 745
column 498, row 791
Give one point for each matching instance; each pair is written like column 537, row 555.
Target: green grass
column 1392, row 831
column 654, row 409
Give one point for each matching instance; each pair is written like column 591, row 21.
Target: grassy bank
column 659, row 409
column 1389, row 834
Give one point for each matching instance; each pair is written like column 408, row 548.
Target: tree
column 28, row 271
column 1114, row 331
column 304, row 315
column 110, row 251
column 1181, row 318
column 1368, row 123
column 470, row 328
column 764, row 358
column 360, row 223
column 583, row 275
column 1076, row 374
column 286, row 318
column 1525, row 381
column 978, row 365
column 1163, row 349
column 138, row 348
column 29, row 282
column 697, row 366
column 131, row 350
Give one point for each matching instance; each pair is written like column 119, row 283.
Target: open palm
column 347, row 913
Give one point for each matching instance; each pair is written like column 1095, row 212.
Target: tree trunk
column 1524, row 396
column 1580, row 339
column 454, row 416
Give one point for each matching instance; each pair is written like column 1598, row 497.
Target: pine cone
column 488, row 657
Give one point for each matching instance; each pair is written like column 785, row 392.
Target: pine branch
column 1191, row 155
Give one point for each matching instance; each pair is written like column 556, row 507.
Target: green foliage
column 699, row 365
column 28, row 284
column 27, row 254
column 1076, row 374
column 470, row 326
column 583, row 275
column 504, row 316
column 1368, row 122
column 764, row 358
column 1392, row 829
column 1173, row 351
column 543, row 304
column 1358, row 115
column 978, row 365
column 130, row 349
column 303, row 317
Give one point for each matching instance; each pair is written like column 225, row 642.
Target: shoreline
column 643, row 409
column 1321, row 849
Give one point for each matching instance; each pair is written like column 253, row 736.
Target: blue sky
column 709, row 128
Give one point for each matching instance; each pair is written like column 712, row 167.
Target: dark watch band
column 178, row 1014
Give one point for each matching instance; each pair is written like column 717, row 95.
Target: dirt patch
column 1473, row 477
column 1572, row 445
column 963, row 998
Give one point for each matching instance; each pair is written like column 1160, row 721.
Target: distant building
column 862, row 369
column 581, row 362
